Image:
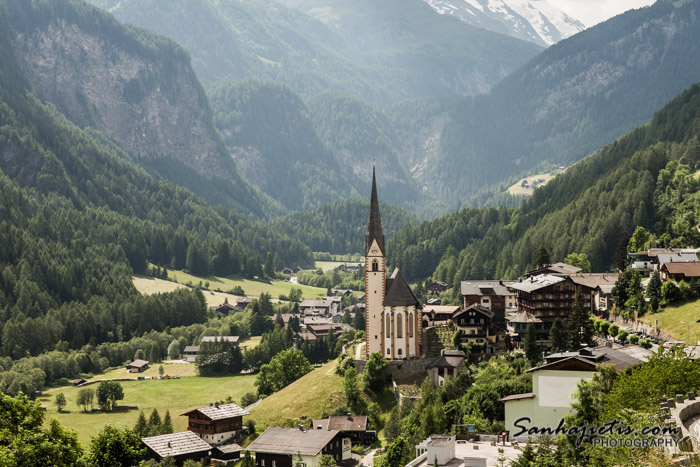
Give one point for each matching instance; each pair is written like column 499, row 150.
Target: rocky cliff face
column 153, row 108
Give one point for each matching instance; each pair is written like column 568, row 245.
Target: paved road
column 368, row 459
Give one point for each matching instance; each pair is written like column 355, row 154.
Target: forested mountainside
column 380, row 51
column 570, row 100
column 646, row 178
column 340, row 227
column 268, row 130
column 135, row 87
column 361, row 135
column 78, row 217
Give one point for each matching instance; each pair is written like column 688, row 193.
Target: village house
column 230, row 339
column 242, row 303
column 181, row 446
column 556, row 268
column 285, row 447
column 322, row 307
column 225, row 453
column 496, row 296
column 438, row 315
column 555, row 381
column 353, row 427
column 323, row 330
column 137, row 366
column 478, row 328
column 436, row 288
column 446, row 366
column 541, row 300
column 592, row 285
column 224, row 309
column 676, row 271
column 190, row 353
column 287, row 271
column 217, row 423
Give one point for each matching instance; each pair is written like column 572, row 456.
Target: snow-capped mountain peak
column 532, row 20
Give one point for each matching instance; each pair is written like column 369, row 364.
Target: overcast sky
column 592, row 12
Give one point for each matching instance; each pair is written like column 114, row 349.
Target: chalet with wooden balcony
column 477, row 327
column 217, row 423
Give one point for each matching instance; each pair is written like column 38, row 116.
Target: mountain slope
column 570, row 100
column 312, row 53
column 269, row 132
column 536, row 21
column 646, row 178
column 340, row 227
column 135, row 87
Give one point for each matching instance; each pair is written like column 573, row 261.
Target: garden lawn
column 678, row 321
column 176, row 395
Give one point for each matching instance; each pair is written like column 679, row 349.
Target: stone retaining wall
column 399, row 369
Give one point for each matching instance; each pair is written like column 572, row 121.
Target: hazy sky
column 592, row 12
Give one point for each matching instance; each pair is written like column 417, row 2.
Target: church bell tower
column 375, row 276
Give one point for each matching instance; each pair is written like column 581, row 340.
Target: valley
column 307, row 207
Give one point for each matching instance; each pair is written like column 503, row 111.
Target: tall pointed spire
column 374, row 226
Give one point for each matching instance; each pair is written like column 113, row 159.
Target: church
column 392, row 311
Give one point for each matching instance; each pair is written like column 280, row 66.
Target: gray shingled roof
column 278, row 440
column 138, row 363
column 499, row 288
column 176, row 444
column 342, row 423
column 398, row 292
column 219, row 412
column 232, row 339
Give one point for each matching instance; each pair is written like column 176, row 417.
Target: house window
column 410, row 325
column 388, row 351
column 388, row 326
column 375, row 266
column 400, row 352
column 399, row 326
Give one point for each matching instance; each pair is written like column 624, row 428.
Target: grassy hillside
column 680, row 321
column 312, row 396
column 176, row 395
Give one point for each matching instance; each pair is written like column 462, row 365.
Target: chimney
column 301, row 427
column 169, row 444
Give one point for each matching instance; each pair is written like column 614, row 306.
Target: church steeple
column 374, row 226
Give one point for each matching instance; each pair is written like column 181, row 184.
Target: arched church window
column 399, row 326
column 400, row 352
column 410, row 325
column 375, row 266
column 388, row 326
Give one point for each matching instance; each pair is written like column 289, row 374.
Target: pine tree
column 558, row 336
column 542, row 257
column 154, row 423
column 167, row 426
column 580, row 326
column 141, row 427
column 532, row 353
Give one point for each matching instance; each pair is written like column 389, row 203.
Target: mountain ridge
column 536, row 21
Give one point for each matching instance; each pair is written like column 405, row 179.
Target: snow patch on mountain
column 532, row 20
